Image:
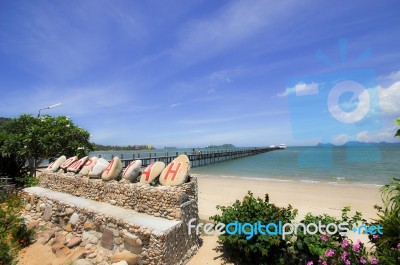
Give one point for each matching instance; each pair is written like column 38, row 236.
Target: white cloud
column 386, row 135
column 211, row 91
column 229, row 118
column 222, row 76
column 389, row 100
column 301, row 89
column 235, row 22
column 175, row 105
column 340, row 139
column 394, row 76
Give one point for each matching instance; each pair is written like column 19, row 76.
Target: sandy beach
column 317, row 198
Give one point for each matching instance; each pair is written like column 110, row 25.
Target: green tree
column 398, row 131
column 32, row 139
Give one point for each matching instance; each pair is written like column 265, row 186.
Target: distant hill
column 358, row 143
column 224, row 146
column 369, row 143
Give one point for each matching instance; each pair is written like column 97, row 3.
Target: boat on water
column 282, row 146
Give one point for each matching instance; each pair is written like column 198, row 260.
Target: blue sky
column 194, row 73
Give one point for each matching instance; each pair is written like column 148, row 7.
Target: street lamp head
column 49, row 107
column 53, row 106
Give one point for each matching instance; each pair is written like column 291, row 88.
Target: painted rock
column 112, row 170
column 88, row 165
column 56, row 164
column 77, row 165
column 68, row 162
column 176, row 172
column 152, row 171
column 98, row 168
column 132, row 171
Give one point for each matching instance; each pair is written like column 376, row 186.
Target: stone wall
column 106, row 239
column 160, row 201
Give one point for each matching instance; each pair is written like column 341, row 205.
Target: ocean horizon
column 360, row 165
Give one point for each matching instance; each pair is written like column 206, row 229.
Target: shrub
column 300, row 248
column 313, row 248
column 13, row 232
column 259, row 249
column 345, row 253
column 388, row 245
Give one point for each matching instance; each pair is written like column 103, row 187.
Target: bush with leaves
column 329, row 247
column 345, row 253
column 299, row 248
column 14, row 234
column 324, row 249
column 259, row 249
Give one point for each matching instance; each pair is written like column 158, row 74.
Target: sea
column 336, row 165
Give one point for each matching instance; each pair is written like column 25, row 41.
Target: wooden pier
column 197, row 158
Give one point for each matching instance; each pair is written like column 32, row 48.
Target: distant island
column 100, row 147
column 224, row 146
column 170, row 147
column 352, row 143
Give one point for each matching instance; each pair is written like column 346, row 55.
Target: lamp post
column 49, row 107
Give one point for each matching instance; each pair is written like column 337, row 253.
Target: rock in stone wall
column 160, row 201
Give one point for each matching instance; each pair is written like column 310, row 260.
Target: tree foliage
column 398, row 131
column 34, row 139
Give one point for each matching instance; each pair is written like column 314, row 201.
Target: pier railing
column 197, row 158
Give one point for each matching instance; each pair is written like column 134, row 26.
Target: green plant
column 312, row 248
column 259, row 249
column 345, row 253
column 14, row 234
column 398, row 131
column 26, row 181
column 6, row 256
column 387, row 245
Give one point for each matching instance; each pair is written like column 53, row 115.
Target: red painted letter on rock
column 108, row 168
column 148, row 170
column 89, row 162
column 127, row 168
column 172, row 170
